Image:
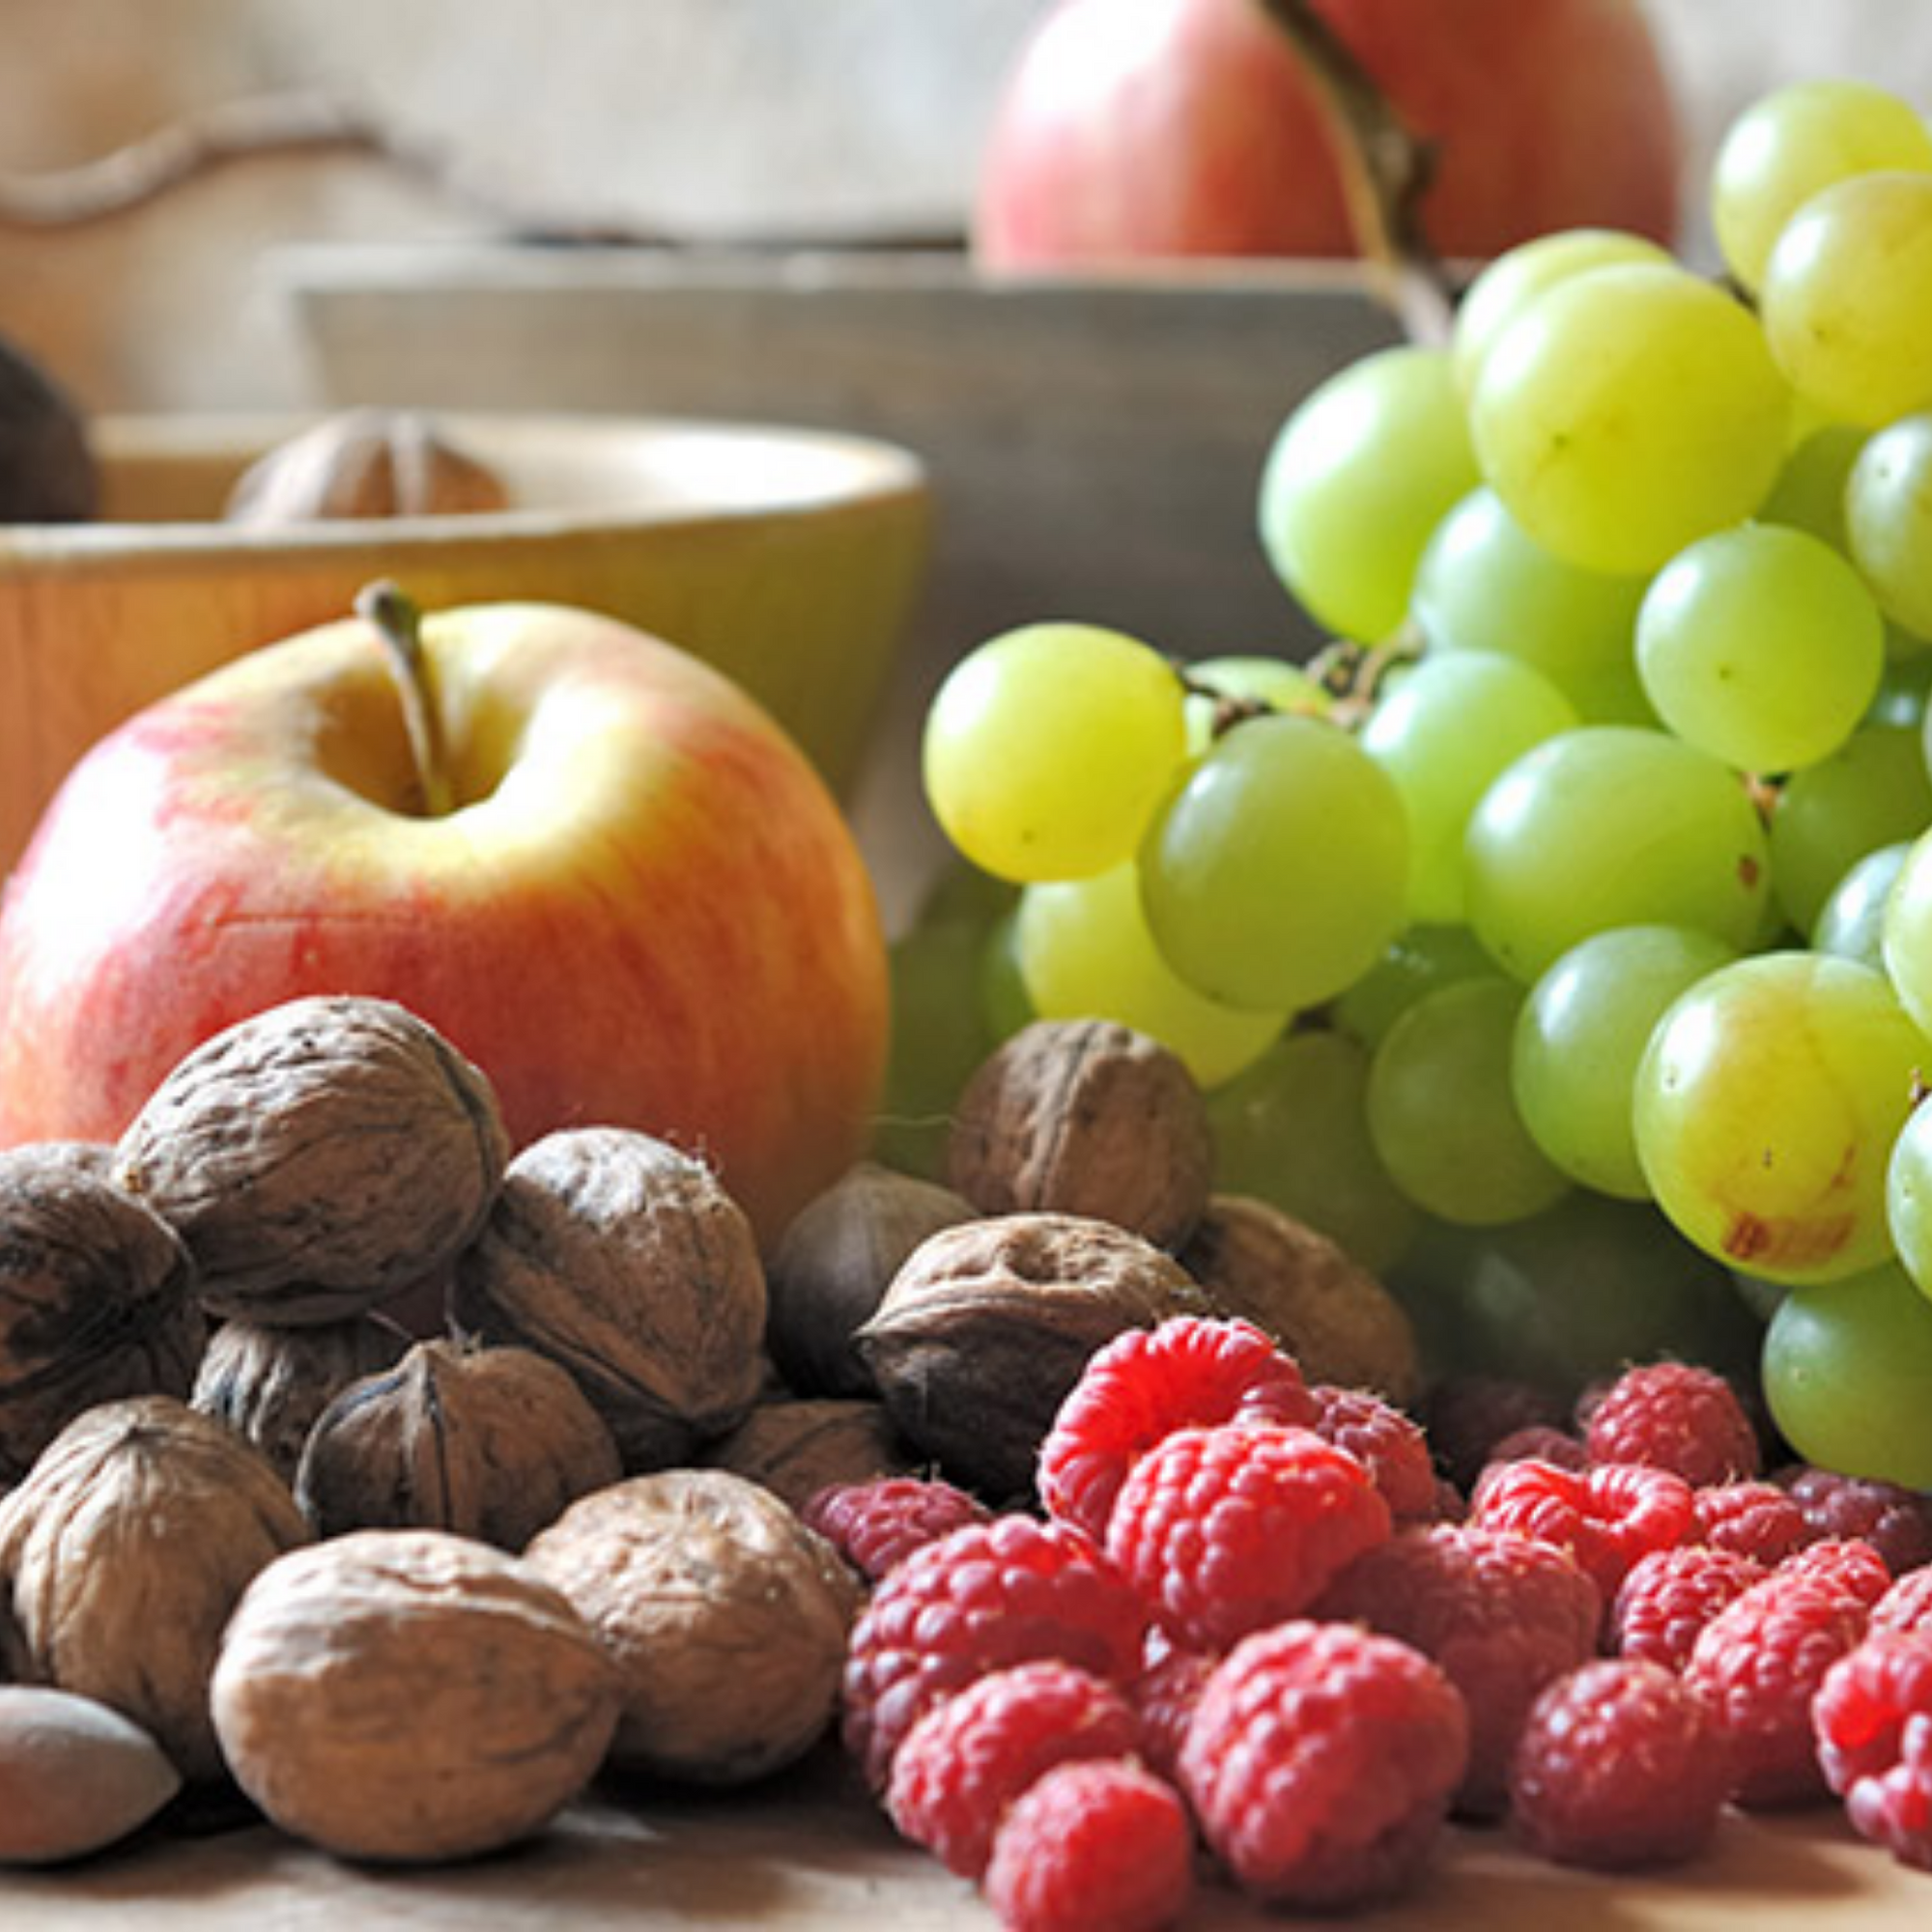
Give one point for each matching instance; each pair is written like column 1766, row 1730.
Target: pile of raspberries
column 1268, row 1634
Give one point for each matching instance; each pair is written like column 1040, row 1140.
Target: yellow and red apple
column 638, row 905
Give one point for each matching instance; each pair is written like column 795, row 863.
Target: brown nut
column 75, row 1777
column 318, row 1157
column 987, row 1327
column 797, row 1448
column 727, row 1618
column 1085, row 1116
column 625, row 1261
column 360, row 464
column 123, row 1553
column 487, row 1442
column 409, row 1696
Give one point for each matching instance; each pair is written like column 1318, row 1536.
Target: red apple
column 1134, row 129
column 641, row 908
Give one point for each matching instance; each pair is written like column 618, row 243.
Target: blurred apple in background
column 1139, row 129
column 639, row 904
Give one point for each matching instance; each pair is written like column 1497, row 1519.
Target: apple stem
column 398, row 623
column 1384, row 170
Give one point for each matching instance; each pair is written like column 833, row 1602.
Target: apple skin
column 1144, row 129
column 650, row 912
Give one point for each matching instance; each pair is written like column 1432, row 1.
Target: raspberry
column 1848, row 1562
column 1619, row 1764
column 1094, row 1843
column 1189, row 1371
column 989, row 1595
column 1906, row 1607
column 1675, row 1416
column 1607, row 1515
column 1321, row 1761
column 1752, row 1516
column 1896, row 1522
column 1671, row 1595
column 973, row 1752
column 1468, row 1415
column 1164, row 1696
column 1541, row 1443
column 1502, row 1614
column 1873, row 1724
column 1389, row 1444
column 875, row 1525
column 1222, row 1530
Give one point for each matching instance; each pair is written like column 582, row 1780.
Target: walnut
column 123, row 1553
column 987, row 1327
column 797, row 1448
column 409, row 1696
column 270, row 1384
column 1337, row 1321
column 834, row 1264
column 318, row 1157
column 1085, row 1116
column 624, row 1260
column 97, row 1297
column 362, row 464
column 728, row 1617
column 75, row 1777
column 487, row 1442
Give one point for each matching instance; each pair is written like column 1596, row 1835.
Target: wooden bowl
column 790, row 559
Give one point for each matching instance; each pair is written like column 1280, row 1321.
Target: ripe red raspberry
column 1541, row 1442
column 1873, row 1724
column 1389, row 1444
column 1896, row 1522
column 1671, row 1595
column 1222, row 1530
column 1619, row 1764
column 989, row 1595
column 1502, row 1614
column 1848, row 1562
column 1675, row 1416
column 1321, row 1761
column 876, row 1525
column 1466, row 1416
column 1752, row 1517
column 1094, row 1843
column 973, row 1752
column 1164, row 1696
column 1189, row 1371
column 1607, row 1515
column 1906, row 1607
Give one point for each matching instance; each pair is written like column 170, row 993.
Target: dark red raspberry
column 989, row 1595
column 1094, row 1843
column 1222, row 1530
column 1607, row 1515
column 1389, row 1443
column 1189, row 1371
column 1906, row 1607
column 1671, row 1595
column 1466, row 1416
column 1321, row 1761
column 1896, row 1522
column 876, row 1525
column 1502, row 1614
column 973, row 1752
column 1873, row 1723
column 1675, row 1416
column 1164, row 1695
column 1752, row 1517
column 1541, row 1443
column 1619, row 1764
column 1848, row 1562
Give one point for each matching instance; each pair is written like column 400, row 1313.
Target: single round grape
column 1443, row 1113
column 1767, row 1103
column 1277, row 873
column 1760, row 645
column 1908, row 1198
column 1810, row 493
column 1047, row 747
column 1790, row 143
column 1875, row 791
column 1851, row 923
column 1889, row 518
column 1908, row 932
column 1082, row 951
column 1846, row 293
column 1629, row 412
column 1416, row 961
column 1847, row 1375
column 1216, row 685
column 1582, row 1035
column 1613, row 825
column 1355, row 480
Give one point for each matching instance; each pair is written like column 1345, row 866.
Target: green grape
column 1613, row 825
column 1047, row 747
column 1908, row 932
column 1847, row 1375
column 1761, row 646
column 1629, row 412
column 1276, row 875
column 1083, row 950
column 1582, row 1035
column 1003, row 1000
column 1485, row 584
column 1792, row 142
column 1417, row 960
column 1851, row 923
column 1810, row 493
column 1355, row 482
column 1441, row 1113
column 1889, row 519
column 1293, row 1129
column 1875, row 791
column 1443, row 732
column 1274, row 683
column 1767, row 1103
column 939, row 1036
column 1908, row 1198
column 1902, row 693
column 1846, row 293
